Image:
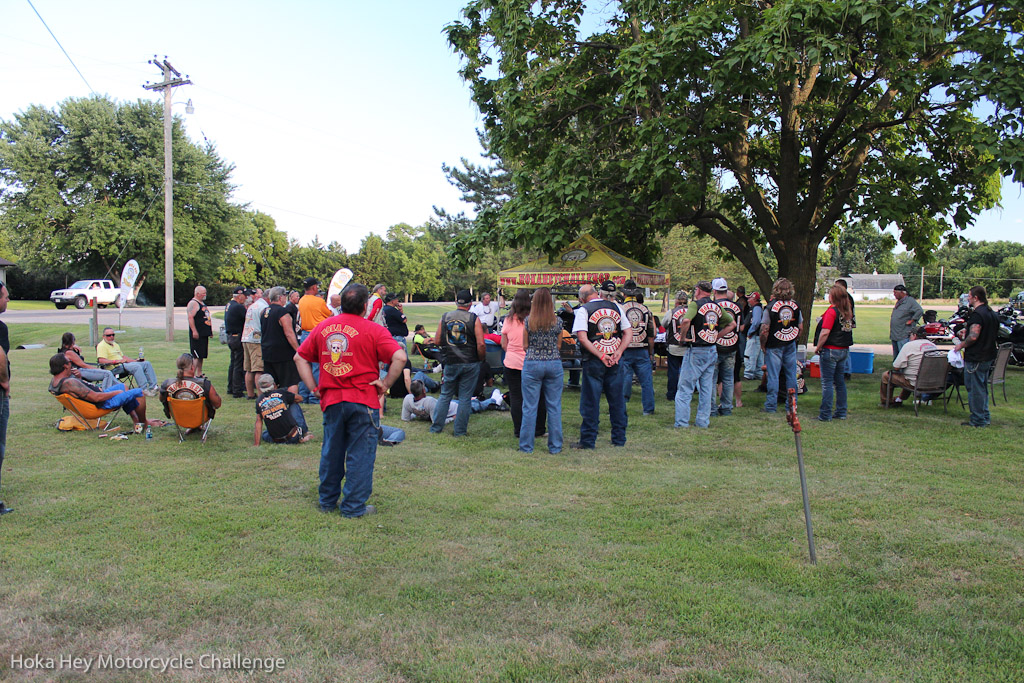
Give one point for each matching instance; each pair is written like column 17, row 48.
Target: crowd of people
column 348, row 357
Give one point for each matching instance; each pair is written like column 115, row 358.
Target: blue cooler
column 862, row 360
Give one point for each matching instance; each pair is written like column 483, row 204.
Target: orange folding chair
column 189, row 414
column 87, row 414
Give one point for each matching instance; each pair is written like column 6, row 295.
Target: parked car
column 1017, row 301
column 84, row 292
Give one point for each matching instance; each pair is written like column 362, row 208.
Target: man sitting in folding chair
column 189, row 400
column 66, row 384
column 905, row 367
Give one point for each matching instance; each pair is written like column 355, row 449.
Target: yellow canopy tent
column 585, row 261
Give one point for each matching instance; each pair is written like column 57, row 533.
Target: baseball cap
column 390, row 297
column 238, row 290
column 899, row 288
column 704, row 286
column 463, row 297
column 756, row 294
column 309, row 282
column 249, row 291
column 719, row 284
column 607, row 286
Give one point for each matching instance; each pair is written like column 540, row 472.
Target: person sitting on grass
column 131, row 401
column 425, row 344
column 187, row 386
column 418, row 406
column 278, row 408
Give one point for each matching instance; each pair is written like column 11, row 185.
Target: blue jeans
column 598, row 379
column 460, row 378
column 429, row 383
column 638, row 362
column 776, row 359
column 833, row 373
column 126, row 400
column 698, row 371
column 674, row 363
column 753, row 359
column 296, row 412
column 143, row 372
column 349, row 452
column 304, row 391
column 104, row 377
column 392, row 434
column 898, row 344
column 542, row 376
column 5, row 415
column 725, row 371
column 976, row 381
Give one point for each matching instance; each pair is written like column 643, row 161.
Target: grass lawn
column 679, row 557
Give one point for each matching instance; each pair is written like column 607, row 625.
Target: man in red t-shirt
column 348, row 348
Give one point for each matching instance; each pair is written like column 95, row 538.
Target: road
column 150, row 317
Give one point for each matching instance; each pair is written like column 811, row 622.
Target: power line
column 91, row 91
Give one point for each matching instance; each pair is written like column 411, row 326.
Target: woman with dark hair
column 542, row 372
column 85, row 371
column 833, row 343
column 512, row 344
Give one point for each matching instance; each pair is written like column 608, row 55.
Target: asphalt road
column 149, row 317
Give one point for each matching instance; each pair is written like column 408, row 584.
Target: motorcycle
column 1011, row 330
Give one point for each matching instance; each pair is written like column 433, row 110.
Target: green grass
column 680, row 557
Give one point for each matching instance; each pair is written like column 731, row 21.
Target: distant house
column 4, row 265
column 870, row 287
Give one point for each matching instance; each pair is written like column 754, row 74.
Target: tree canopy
column 81, row 188
column 757, row 123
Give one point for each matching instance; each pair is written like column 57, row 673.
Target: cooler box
column 814, row 367
column 862, row 360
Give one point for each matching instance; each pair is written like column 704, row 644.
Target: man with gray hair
column 486, row 311
column 278, row 342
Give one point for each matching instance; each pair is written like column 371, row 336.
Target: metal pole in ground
column 794, row 422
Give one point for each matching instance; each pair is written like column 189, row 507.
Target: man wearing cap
column 638, row 357
column 312, row 311
column 234, row 320
column 395, row 320
column 461, row 337
column 604, row 333
column 904, row 314
column 704, row 321
column 728, row 346
column 252, row 334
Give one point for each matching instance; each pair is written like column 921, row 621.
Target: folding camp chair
column 121, row 373
column 931, row 379
column 194, row 414
column 87, row 414
column 998, row 374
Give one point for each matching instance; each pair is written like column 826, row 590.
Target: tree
column 756, row 123
column 372, row 265
column 416, row 262
column 260, row 255
column 862, row 248
column 81, row 188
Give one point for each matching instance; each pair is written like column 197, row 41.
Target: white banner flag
column 128, row 277
column 338, row 282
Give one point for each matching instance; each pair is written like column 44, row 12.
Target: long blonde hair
column 184, row 362
column 782, row 290
column 542, row 310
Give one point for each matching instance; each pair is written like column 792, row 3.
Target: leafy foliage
column 756, row 123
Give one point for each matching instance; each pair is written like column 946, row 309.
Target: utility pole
column 921, row 295
column 172, row 79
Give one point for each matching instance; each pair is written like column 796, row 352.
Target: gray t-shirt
column 906, row 309
column 423, row 409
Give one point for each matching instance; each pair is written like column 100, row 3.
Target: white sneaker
column 437, row 369
column 152, row 391
column 496, row 395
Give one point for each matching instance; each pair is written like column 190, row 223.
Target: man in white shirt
column 905, row 367
column 487, row 311
column 252, row 351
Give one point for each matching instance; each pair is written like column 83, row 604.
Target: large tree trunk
column 800, row 265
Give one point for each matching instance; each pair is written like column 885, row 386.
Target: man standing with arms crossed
column 5, row 386
column 200, row 327
column 604, row 332
column 348, row 348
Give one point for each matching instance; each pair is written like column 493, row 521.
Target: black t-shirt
column 395, row 322
column 234, row 317
column 5, row 344
column 985, row 348
column 273, row 408
column 398, row 388
column 276, row 348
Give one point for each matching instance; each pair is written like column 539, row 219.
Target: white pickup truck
column 83, row 292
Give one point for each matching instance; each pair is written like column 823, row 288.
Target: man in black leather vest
column 604, row 332
column 461, row 338
column 638, row 358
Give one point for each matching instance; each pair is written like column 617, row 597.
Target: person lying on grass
column 130, row 401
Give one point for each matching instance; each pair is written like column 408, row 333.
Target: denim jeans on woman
column 542, row 377
column 833, row 374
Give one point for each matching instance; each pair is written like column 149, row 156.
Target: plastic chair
column 88, row 414
column 998, row 374
column 189, row 414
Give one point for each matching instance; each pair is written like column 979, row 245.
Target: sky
column 336, row 115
